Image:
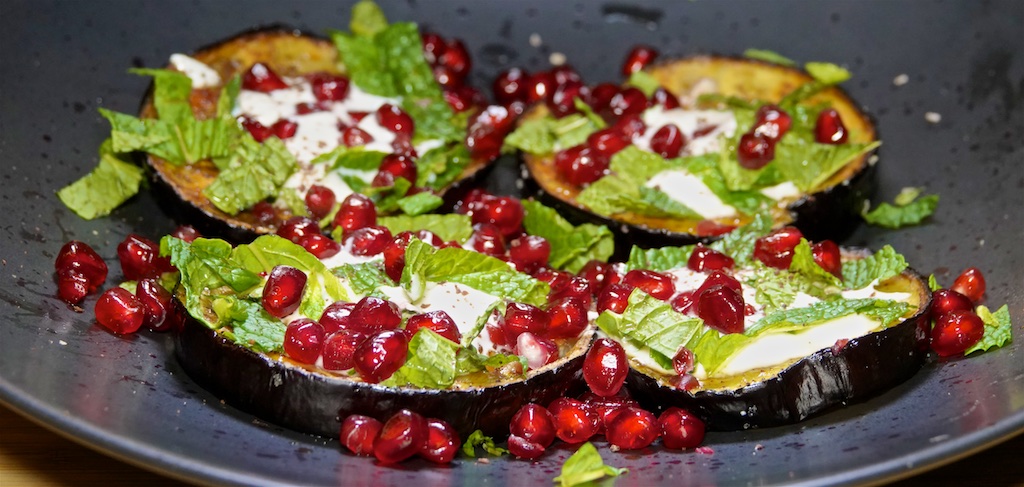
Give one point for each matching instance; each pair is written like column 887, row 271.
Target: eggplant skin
column 830, row 212
column 865, row 367
column 306, row 401
column 179, row 189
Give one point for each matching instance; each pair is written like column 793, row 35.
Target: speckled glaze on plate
column 129, row 398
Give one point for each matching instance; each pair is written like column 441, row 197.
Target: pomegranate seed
column 320, row 200
column 580, row 165
column 303, row 340
column 629, row 101
column 830, row 129
column 504, row 212
column 187, row 233
column 329, row 87
column 394, row 256
column 533, row 423
column 682, row 361
column 380, row 355
column 606, row 142
column 297, row 227
column 540, row 86
column 826, row 255
column 574, row 287
column 630, row 125
column 433, row 47
column 511, row 85
column 284, row 129
column 283, row 291
column 401, row 437
column 157, row 303
column 719, row 278
column 120, row 311
column 496, row 334
column 776, row 248
column 633, row 428
column 447, row 78
column 438, row 321
column 568, row 318
column 605, row 367
column 320, row 245
column 683, row 302
column 140, row 258
column 556, row 279
column 261, row 78
column 614, row 297
column 81, row 258
column 537, row 351
column 667, row 100
column 565, row 75
column 258, row 131
column 521, row 317
column 599, row 274
column 462, row 98
column 486, row 131
column 456, row 58
column 373, row 314
column 383, row 179
column 755, row 151
column 606, row 407
column 685, row 382
column 368, row 241
column 358, row 433
column 707, row 259
column 947, row 300
column 336, row 317
column 399, row 166
column 355, row 136
column 772, row 122
column 575, row 421
column 955, row 332
column 339, row 349
column 711, row 228
column 487, row 239
column 308, row 107
column 563, row 100
column 529, row 252
column 668, row 141
column 442, row 442
column 264, row 212
column 523, row 448
column 680, row 429
column 654, row 283
column 394, row 119
column 600, row 96
column 72, row 286
column 721, row 308
column 638, row 58
column 970, row 283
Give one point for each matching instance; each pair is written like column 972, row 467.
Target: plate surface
column 128, row 397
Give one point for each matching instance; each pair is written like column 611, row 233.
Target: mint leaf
column 364, row 278
column 355, row 158
column 658, row 259
column 809, row 164
column 441, row 166
column 907, row 196
column 998, row 329
column 571, row 246
column 739, row 243
column 228, row 95
column 798, row 318
column 367, row 19
column 584, row 467
column 643, row 81
column 430, row 363
column 648, row 322
column 106, row 187
column 478, row 438
column 533, row 136
column 910, row 213
column 827, row 73
column 774, row 290
column 883, row 264
column 817, row 280
column 256, row 172
column 768, row 56
column 573, row 130
column 253, row 327
column 448, row 227
column 419, row 203
column 712, row 349
column 933, row 283
column 469, row 360
column 171, row 90
column 206, row 270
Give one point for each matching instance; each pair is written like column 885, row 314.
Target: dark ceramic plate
column 129, row 398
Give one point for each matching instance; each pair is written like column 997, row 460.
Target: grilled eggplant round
column 829, row 211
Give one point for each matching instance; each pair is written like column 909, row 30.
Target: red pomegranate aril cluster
column 756, row 148
column 504, row 212
column 401, row 437
column 705, row 259
column 329, row 87
column 161, row 312
column 140, row 258
column 668, row 141
column 261, row 78
column 532, row 431
column 80, row 271
column 368, row 241
column 381, row 354
column 356, row 211
column 776, row 248
column 680, row 429
column 529, row 253
column 956, row 326
column 638, row 58
column 450, row 63
column 568, row 318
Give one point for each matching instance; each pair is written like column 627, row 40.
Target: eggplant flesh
column 179, row 189
column 831, row 211
column 864, row 367
column 311, row 402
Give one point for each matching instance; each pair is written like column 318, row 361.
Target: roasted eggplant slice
column 817, row 187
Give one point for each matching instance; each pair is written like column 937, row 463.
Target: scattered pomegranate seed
column 283, row 291
column 638, row 58
column 600, row 95
column 523, row 448
column 380, row 355
column 563, row 101
column 320, row 200
column 395, row 119
column 826, row 255
column 339, row 349
column 309, row 107
column 529, row 253
column 158, row 305
column 705, row 259
column 284, row 129
column 456, row 58
column 433, row 47
column 719, row 278
column 629, row 101
column 355, row 136
column 533, row 423
column 521, row 317
column 261, row 78
column 303, row 340
column 358, row 433
column 947, row 300
column 632, row 428
column 297, row 227
column 580, row 165
column 438, row 321
column 711, row 228
column 668, row 101
column 337, row 316
column 970, row 283
column 486, row 131
column 654, row 283
column 320, row 245
column 830, row 129
column 776, row 248
column 263, row 212
column 605, row 367
column 573, row 287
column 399, row 166
column 442, row 442
column 540, row 86
column 755, row 150
column 955, row 332
column 487, row 239
column 565, row 74
column 401, row 437
column 556, row 279
column 373, row 314
column 668, row 141
column 537, row 351
column 120, row 311
column 683, row 302
column 721, row 308
column 606, row 407
column 630, row 126
column 504, row 212
column 607, row 142
column 72, row 286
column 369, row 240
column 187, row 233
column 511, row 85
column 80, row 257
column 329, row 87
column 447, row 78
column 772, row 122
column 682, row 361
column 575, row 421
column 599, row 274
column 680, row 429
column 140, row 258
column 614, row 297
column 568, row 318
